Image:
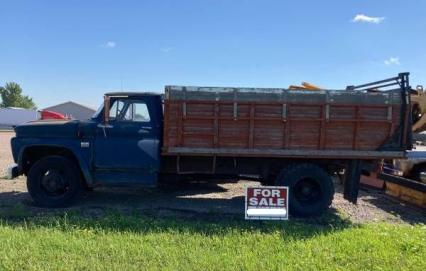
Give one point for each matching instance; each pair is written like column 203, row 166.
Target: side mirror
column 106, row 109
column 419, row 88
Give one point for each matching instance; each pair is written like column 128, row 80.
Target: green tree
column 11, row 96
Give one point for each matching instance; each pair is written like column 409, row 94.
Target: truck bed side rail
column 401, row 81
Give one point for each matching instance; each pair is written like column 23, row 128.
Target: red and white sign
column 267, row 202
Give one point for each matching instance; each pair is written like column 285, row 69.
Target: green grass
column 140, row 242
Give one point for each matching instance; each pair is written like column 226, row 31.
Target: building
column 13, row 116
column 73, row 110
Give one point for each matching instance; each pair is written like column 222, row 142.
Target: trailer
column 285, row 137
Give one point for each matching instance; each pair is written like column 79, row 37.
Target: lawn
column 142, row 242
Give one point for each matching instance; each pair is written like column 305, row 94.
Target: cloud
column 110, row 44
column 166, row 49
column 361, row 18
column 392, row 61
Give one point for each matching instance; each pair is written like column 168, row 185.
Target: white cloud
column 361, row 18
column 110, row 44
column 392, row 61
column 166, row 49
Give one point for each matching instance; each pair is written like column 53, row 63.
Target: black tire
column 311, row 189
column 54, row 181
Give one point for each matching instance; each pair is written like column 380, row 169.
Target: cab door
column 127, row 147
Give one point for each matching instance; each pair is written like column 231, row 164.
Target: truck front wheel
column 311, row 189
column 54, row 181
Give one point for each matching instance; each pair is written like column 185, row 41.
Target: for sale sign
column 267, row 202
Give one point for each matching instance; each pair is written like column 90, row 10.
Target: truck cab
column 119, row 146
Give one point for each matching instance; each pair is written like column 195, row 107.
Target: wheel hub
column 53, row 182
column 307, row 190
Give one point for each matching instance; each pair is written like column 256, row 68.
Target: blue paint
column 124, row 151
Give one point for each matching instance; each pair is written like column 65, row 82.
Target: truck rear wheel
column 54, row 181
column 311, row 189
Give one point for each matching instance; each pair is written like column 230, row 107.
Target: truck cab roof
column 131, row 94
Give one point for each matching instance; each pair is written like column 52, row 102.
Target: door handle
column 144, row 130
column 105, row 126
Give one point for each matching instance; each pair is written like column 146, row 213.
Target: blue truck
column 297, row 138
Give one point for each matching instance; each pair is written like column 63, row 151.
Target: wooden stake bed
column 282, row 123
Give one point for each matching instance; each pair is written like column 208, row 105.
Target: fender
column 83, row 155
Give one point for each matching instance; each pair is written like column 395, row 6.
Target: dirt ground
column 222, row 199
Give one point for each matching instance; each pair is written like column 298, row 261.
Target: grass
column 16, row 211
column 140, row 242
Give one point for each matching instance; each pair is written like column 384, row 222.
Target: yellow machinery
column 418, row 102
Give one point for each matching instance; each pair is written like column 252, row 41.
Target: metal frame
column 403, row 81
column 276, row 153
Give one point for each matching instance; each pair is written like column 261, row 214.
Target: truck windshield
column 98, row 111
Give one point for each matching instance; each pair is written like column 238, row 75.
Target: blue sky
column 78, row 50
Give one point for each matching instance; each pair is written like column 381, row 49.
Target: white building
column 13, row 116
column 73, row 110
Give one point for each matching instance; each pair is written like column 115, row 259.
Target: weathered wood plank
column 309, row 124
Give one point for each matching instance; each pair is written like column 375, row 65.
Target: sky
column 78, row 50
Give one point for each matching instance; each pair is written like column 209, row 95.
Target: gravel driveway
column 197, row 199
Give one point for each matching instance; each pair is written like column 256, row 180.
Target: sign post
column 266, row 202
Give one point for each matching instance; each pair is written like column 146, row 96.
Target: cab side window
column 128, row 110
column 138, row 112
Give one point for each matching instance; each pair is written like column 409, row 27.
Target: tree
column 11, row 96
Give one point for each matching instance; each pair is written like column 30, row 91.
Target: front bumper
column 12, row 172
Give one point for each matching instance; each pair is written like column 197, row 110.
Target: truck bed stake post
column 352, row 178
column 235, row 105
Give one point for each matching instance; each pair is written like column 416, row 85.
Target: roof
column 17, row 108
column 132, row 94
column 70, row 102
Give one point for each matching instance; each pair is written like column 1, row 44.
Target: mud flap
column 352, row 178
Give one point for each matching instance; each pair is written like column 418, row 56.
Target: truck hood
column 48, row 128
